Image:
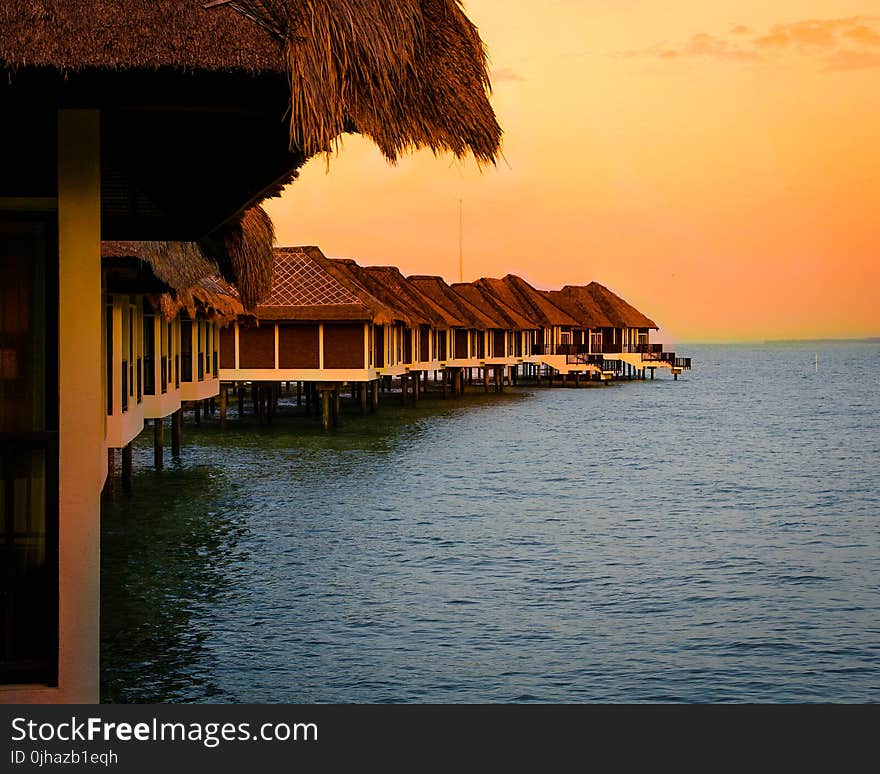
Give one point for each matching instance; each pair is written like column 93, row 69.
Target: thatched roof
column 240, row 251
column 615, row 309
column 405, row 310
column 440, row 293
column 178, row 278
column 504, row 316
column 528, row 300
column 581, row 306
column 409, row 298
column 307, row 286
column 75, row 35
column 408, row 74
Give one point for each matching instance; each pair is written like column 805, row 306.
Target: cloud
column 863, row 34
column 505, row 74
column 852, row 60
column 835, row 44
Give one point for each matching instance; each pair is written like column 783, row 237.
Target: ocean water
column 714, row 539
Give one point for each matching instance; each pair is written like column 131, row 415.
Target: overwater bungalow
column 317, row 326
column 466, row 338
column 415, row 344
column 504, row 344
column 161, row 334
column 161, row 121
column 617, row 330
column 552, row 338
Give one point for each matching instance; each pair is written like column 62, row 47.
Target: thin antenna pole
column 460, row 244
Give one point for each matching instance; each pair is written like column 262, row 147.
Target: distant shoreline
column 854, row 340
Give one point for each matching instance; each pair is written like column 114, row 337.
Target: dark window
column 28, row 449
column 149, row 355
column 186, row 372
column 124, row 386
column 109, row 355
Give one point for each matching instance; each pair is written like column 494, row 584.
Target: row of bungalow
column 166, row 122
column 332, row 322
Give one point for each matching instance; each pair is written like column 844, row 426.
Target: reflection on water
column 711, row 539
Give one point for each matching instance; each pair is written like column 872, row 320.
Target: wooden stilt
column 577, row 379
column 176, row 426
column 126, row 468
column 336, row 400
column 416, row 386
column 240, row 393
column 443, row 383
column 224, row 399
column 157, row 444
column 197, row 411
column 485, row 379
column 363, row 392
column 110, row 481
column 325, row 410
column 374, row 390
column 652, row 374
column 299, row 394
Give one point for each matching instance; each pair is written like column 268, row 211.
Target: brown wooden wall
column 379, row 346
column 407, row 345
column 424, row 342
column 498, row 344
column 298, row 346
column 344, row 345
column 227, row 347
column 461, row 343
column 440, row 354
column 256, row 347
column 611, row 340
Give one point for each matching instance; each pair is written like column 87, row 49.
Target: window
column 149, row 354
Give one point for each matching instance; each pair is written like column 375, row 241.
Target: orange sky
column 716, row 163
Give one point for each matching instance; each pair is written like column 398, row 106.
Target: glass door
column 28, row 448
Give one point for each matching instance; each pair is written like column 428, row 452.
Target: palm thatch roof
column 179, row 279
column 240, row 251
column 408, row 296
column 409, row 74
column 504, row 316
column 613, row 307
column 405, row 310
column 308, row 286
column 528, row 300
column 582, row 307
column 440, row 293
